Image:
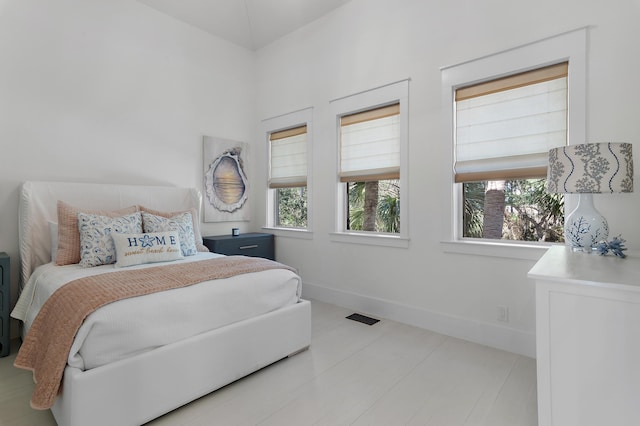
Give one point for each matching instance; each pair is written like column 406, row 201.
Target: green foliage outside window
column 526, row 210
column 291, row 207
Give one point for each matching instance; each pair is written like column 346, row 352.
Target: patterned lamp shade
column 588, row 169
column 591, row 168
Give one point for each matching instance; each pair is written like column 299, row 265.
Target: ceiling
column 248, row 23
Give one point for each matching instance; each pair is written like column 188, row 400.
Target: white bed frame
column 136, row 390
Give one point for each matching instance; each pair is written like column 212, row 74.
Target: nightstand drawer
column 252, row 244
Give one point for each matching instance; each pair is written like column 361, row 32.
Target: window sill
column 515, row 250
column 383, row 240
column 289, row 232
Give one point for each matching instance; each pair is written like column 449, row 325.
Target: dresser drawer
column 252, row 244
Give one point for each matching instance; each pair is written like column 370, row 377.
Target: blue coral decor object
column 615, row 246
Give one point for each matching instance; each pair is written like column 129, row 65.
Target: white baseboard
column 505, row 338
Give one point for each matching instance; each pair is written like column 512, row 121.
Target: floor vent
column 363, row 319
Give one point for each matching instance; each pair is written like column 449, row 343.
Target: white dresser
column 587, row 338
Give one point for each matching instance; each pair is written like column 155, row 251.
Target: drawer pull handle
column 248, row 247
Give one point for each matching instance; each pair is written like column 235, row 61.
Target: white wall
column 368, row 43
column 111, row 91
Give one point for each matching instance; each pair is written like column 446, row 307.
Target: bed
column 197, row 349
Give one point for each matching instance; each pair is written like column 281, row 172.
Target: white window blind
column 370, row 145
column 288, row 158
column 505, row 127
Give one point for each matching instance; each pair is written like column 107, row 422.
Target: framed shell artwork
column 226, row 185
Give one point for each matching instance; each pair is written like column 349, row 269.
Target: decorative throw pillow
column 53, row 233
column 68, row 234
column 183, row 223
column 194, row 215
column 134, row 249
column 97, row 247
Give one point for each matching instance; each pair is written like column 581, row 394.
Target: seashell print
column 226, row 183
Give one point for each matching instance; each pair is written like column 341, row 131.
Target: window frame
column 302, row 117
column 397, row 92
column 570, row 47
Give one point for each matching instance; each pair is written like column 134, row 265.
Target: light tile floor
column 353, row 374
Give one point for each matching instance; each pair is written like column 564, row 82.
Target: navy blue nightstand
column 251, row 244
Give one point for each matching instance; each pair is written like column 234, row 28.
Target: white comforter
column 139, row 324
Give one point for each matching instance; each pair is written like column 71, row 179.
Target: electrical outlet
column 503, row 314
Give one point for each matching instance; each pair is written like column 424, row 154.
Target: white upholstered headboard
column 38, row 207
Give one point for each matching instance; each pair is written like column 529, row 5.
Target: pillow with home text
column 136, row 249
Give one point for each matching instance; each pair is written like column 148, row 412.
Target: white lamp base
column 585, row 227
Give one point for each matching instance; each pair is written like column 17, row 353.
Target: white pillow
column 135, row 249
column 96, row 244
column 182, row 222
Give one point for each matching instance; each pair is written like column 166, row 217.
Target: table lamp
column 587, row 169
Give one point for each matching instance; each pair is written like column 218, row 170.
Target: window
column 288, row 140
column 370, row 168
column 504, row 112
column 372, row 147
column 504, row 130
column 289, row 176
